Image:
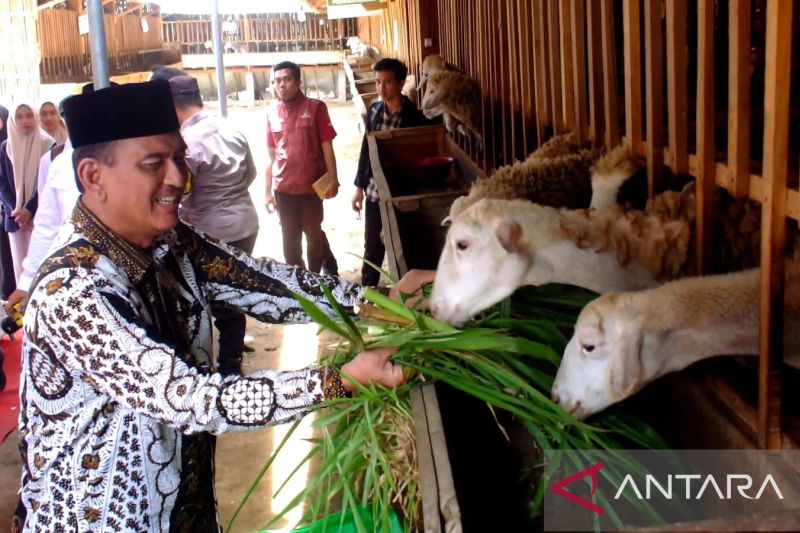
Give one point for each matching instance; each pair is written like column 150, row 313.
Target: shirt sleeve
column 260, row 287
column 325, row 129
column 81, row 325
column 45, row 229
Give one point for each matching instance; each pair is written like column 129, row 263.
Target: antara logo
column 742, row 483
column 592, row 471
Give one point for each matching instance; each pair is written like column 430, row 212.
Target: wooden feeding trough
column 418, row 172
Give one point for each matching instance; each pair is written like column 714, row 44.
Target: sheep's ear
column 625, row 369
column 509, row 233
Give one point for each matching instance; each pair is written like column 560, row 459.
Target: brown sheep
column 458, row 98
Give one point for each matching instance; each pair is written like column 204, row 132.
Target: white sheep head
column 484, row 260
column 433, row 97
column 602, row 363
column 430, row 66
column 352, row 42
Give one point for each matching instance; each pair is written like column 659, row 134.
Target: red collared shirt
column 296, row 130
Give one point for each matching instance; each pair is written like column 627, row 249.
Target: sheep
column 431, row 65
column 556, row 174
column 623, row 341
column 352, row 42
column 365, row 55
column 559, row 182
column 410, row 89
column 612, row 177
column 495, row 246
column 458, row 98
column 560, row 174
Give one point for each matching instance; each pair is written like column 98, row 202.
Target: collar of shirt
column 294, row 102
column 397, row 112
column 133, row 261
column 194, row 119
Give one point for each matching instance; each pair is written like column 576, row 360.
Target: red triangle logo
column 592, row 471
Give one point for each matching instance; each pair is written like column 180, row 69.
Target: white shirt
column 56, row 201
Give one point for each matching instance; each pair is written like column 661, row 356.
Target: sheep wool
column 556, row 175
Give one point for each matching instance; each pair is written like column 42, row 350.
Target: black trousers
column 374, row 249
column 299, row 214
column 8, row 282
column 230, row 324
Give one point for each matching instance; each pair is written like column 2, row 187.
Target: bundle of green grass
column 507, row 358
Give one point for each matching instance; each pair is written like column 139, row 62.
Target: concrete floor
column 241, row 455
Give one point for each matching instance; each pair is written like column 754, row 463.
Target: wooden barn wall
column 262, row 33
column 396, row 32
column 66, row 55
column 703, row 87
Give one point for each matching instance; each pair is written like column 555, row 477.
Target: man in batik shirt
column 119, row 401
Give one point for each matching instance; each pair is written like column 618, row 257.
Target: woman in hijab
column 7, row 284
column 3, row 123
column 19, row 171
column 51, row 122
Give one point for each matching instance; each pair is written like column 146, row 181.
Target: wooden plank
column 773, row 219
column 609, row 74
column 448, row 502
column 578, row 24
column 705, row 135
column 654, row 73
column 427, row 473
column 632, row 38
column 739, row 96
column 540, row 71
column 526, row 72
column 557, row 117
column 677, row 85
column 595, row 59
column 567, row 64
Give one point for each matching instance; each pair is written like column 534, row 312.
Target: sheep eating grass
column 495, row 246
column 623, row 341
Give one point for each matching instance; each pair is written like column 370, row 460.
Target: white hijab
column 25, row 151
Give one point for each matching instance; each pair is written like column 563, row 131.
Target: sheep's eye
column 587, row 348
column 462, row 245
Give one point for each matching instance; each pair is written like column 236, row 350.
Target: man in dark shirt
column 393, row 110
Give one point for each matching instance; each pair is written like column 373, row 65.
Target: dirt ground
column 240, row 456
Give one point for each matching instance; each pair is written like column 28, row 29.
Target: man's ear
column 90, row 177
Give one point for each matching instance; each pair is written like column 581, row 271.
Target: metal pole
column 97, row 40
column 216, row 33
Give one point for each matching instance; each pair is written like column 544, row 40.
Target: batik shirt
column 119, row 400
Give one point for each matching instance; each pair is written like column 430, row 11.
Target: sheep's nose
column 554, row 395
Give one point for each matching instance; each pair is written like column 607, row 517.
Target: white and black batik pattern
column 118, row 394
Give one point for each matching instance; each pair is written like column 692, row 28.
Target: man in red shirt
column 299, row 135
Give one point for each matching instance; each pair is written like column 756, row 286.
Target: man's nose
column 176, row 175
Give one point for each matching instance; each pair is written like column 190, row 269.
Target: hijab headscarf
column 60, row 133
column 3, row 123
column 25, row 151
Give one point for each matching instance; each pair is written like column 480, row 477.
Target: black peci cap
column 120, row 112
